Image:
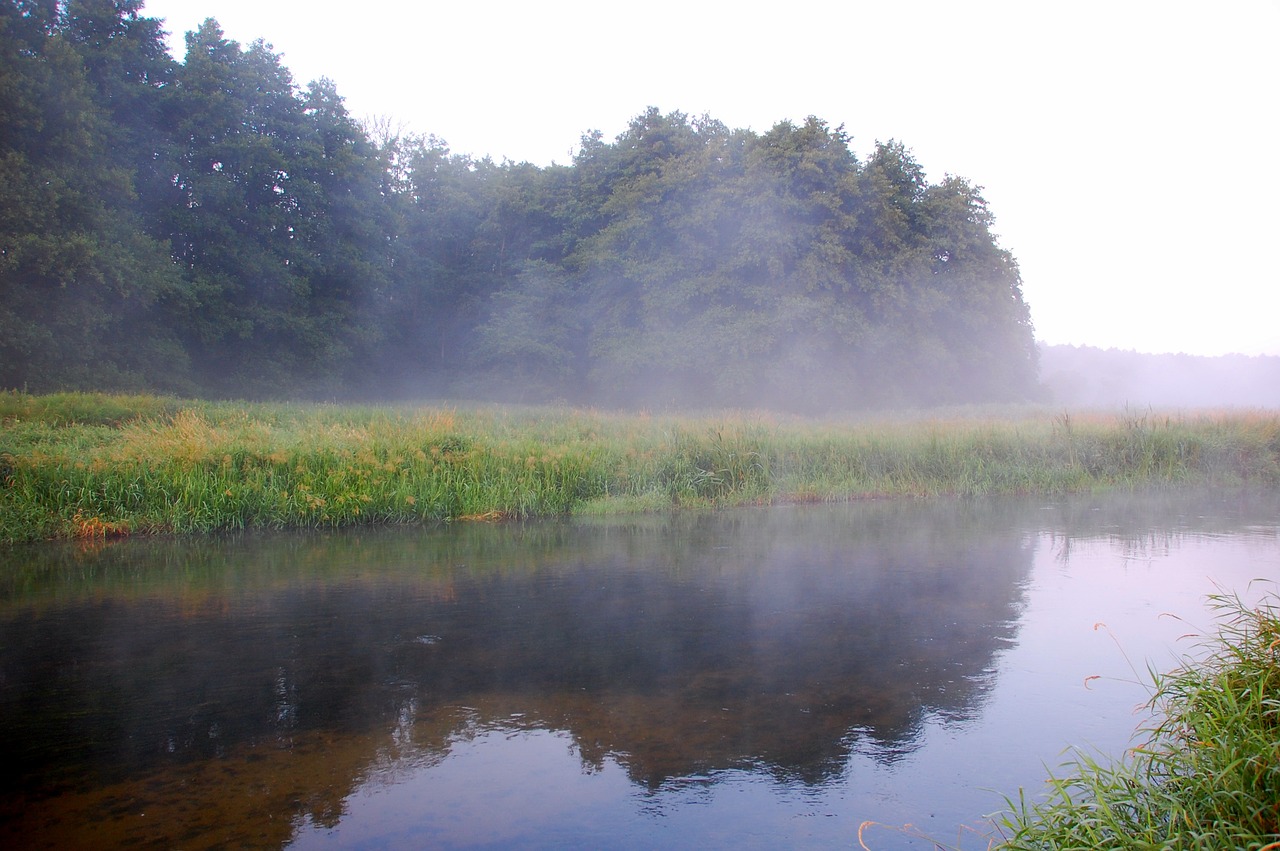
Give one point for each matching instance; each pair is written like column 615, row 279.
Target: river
column 763, row 677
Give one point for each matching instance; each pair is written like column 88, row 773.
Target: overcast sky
column 1130, row 151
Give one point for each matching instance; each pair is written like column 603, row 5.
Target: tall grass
column 84, row 465
column 1207, row 776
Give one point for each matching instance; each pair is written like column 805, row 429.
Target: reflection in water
column 496, row 684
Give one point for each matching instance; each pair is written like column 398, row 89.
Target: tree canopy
column 208, row 226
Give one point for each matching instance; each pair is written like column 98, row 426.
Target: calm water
column 759, row 678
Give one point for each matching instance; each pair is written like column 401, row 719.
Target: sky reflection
column 766, row 678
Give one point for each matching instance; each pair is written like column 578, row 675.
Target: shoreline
column 85, row 466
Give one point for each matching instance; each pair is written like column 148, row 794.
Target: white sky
column 1129, row 150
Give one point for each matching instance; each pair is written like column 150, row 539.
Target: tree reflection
column 776, row 641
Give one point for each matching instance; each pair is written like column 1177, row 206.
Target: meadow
column 77, row 465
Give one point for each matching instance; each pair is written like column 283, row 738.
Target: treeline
column 208, row 227
column 1084, row 376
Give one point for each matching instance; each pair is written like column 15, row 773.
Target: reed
column 1207, row 775
column 85, row 465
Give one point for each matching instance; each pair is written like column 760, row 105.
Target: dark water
column 760, row 678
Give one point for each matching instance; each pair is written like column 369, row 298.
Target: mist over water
column 754, row 677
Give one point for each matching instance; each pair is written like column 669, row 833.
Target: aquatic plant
column 1206, row 775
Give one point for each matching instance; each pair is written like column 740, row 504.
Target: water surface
column 761, row 678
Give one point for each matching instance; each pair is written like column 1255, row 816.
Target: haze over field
column 1127, row 150
column 1087, row 377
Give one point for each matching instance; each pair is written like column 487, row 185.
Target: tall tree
column 969, row 297
column 81, row 282
column 153, row 213
column 351, row 230
column 805, row 201
column 660, row 307
column 276, row 220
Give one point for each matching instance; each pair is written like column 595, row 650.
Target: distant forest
column 208, row 227
column 1083, row 376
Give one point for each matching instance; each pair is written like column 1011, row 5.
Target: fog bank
column 1083, row 376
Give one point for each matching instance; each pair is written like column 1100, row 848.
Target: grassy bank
column 83, row 465
column 1208, row 774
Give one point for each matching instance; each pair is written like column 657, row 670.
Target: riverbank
column 1206, row 774
column 89, row 465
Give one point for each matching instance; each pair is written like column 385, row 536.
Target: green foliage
column 531, row 342
column 278, row 218
column 86, row 465
column 722, row 464
column 1208, row 774
column 68, row 409
column 211, row 227
column 83, row 286
column 730, row 268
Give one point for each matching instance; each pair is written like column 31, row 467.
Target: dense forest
column 210, row 227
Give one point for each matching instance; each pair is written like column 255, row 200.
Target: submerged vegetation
column 85, row 465
column 1208, row 774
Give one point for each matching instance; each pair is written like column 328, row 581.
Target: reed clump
column 85, row 465
column 1207, row 775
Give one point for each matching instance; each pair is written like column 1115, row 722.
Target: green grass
column 1208, row 774
column 89, row 465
